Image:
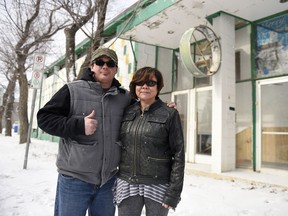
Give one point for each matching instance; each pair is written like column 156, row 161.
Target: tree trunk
column 2, row 108
column 101, row 16
column 70, row 51
column 91, row 49
column 8, row 115
column 9, row 105
column 23, row 116
column 7, row 96
column 86, row 63
column 1, row 118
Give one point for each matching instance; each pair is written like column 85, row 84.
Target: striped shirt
column 123, row 190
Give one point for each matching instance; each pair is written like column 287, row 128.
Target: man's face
column 104, row 71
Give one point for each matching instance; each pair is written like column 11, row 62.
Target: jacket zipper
column 135, row 145
column 112, row 91
column 159, row 159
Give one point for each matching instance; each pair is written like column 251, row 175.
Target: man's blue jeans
column 74, row 197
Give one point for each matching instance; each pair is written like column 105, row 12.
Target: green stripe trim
column 111, row 28
column 144, row 14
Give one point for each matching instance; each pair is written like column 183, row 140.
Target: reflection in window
column 181, row 100
column 244, row 118
column 182, row 78
column 203, row 81
column 272, row 47
column 204, row 122
column 204, row 144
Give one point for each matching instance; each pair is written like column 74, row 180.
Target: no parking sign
column 39, row 60
column 36, row 79
column 38, row 65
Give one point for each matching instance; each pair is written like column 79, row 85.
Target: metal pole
column 40, row 97
column 30, row 128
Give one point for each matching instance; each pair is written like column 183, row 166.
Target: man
column 86, row 115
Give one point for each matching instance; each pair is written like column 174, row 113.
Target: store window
column 182, row 79
column 146, row 55
column 244, row 133
column 164, row 64
column 243, row 53
column 272, row 47
column 204, row 121
column 181, row 99
column 161, row 58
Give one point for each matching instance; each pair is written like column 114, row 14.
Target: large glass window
column 272, row 47
column 161, row 58
column 243, row 53
column 164, row 64
column 183, row 79
column 274, row 125
column 182, row 104
column 204, row 121
column 244, row 125
column 146, row 55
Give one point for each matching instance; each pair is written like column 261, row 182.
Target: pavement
column 272, row 177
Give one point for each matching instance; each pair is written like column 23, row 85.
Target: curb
column 222, row 176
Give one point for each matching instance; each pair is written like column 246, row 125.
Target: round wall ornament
column 200, row 51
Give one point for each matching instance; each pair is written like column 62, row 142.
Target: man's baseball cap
column 105, row 52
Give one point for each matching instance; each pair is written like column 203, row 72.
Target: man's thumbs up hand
column 90, row 123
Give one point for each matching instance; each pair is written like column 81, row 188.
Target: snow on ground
column 31, row 191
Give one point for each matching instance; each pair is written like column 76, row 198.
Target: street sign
column 39, row 60
column 36, row 80
column 38, row 66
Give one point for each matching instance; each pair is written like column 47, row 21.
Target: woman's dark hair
column 144, row 74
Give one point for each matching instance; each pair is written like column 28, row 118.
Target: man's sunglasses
column 149, row 83
column 109, row 64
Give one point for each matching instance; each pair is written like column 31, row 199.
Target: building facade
column 234, row 118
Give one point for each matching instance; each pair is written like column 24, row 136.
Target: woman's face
column 147, row 91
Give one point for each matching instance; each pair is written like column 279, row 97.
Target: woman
column 151, row 170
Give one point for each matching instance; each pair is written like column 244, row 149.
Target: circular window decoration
column 200, row 51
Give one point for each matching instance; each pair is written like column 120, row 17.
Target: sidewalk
column 271, row 177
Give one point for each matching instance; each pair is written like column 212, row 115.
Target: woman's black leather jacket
column 153, row 148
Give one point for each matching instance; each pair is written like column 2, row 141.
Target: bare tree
column 8, row 70
column 6, row 108
column 2, row 108
column 9, row 104
column 32, row 23
column 101, row 9
column 80, row 12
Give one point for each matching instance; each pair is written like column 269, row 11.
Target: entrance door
column 272, row 124
column 182, row 99
column 195, row 109
column 203, row 124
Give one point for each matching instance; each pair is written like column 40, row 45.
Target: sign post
column 36, row 83
column 38, row 66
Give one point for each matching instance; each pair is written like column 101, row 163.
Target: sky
column 57, row 48
column 31, row 191
column 59, row 39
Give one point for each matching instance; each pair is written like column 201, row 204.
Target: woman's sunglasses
column 109, row 64
column 149, row 83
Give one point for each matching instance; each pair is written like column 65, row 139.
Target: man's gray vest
column 93, row 158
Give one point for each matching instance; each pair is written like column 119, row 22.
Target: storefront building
column 234, row 118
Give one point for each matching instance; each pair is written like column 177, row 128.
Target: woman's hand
column 166, row 206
